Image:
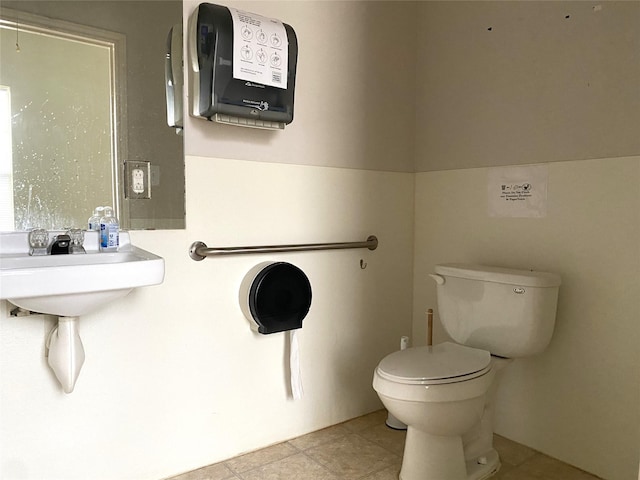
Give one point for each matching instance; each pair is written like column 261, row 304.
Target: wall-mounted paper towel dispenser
column 243, row 67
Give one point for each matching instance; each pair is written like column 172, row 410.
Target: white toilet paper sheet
column 294, row 366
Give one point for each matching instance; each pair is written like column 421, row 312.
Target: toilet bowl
column 440, row 392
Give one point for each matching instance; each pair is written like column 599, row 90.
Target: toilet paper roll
column 294, row 365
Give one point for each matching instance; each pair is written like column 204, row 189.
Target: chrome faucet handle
column 38, row 238
column 76, row 236
column 38, row 241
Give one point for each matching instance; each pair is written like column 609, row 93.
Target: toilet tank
column 510, row 313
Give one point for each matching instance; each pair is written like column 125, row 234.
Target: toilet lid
column 444, row 361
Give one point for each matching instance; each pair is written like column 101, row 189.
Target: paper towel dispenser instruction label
column 260, row 49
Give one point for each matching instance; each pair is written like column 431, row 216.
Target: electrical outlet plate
column 137, row 179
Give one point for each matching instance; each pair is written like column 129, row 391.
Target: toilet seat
column 439, row 364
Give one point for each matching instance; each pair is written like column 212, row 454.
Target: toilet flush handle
column 438, row 278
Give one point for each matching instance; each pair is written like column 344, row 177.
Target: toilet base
column 428, row 457
column 483, row 467
column 432, row 457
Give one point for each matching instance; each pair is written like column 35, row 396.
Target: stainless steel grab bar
column 199, row 250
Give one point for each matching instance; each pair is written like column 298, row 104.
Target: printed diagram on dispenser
column 260, row 50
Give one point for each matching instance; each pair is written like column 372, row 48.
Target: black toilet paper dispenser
column 276, row 297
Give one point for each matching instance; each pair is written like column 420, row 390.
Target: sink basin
column 69, row 286
column 73, row 285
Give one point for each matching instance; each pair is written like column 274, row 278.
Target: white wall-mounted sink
column 73, row 285
column 69, row 286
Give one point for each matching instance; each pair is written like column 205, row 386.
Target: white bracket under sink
column 65, row 352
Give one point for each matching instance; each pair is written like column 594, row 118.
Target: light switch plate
column 137, row 179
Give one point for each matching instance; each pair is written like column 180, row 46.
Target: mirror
column 99, row 113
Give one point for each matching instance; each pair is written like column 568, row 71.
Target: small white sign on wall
column 518, row 192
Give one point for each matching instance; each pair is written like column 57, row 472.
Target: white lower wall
column 174, row 378
column 578, row 401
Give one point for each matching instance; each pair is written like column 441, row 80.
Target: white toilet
column 444, row 393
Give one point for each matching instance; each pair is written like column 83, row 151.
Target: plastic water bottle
column 109, row 231
column 94, row 220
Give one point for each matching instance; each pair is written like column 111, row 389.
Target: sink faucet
column 61, row 245
column 69, row 242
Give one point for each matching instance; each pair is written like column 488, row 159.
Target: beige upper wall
column 421, row 86
column 537, row 87
column 354, row 98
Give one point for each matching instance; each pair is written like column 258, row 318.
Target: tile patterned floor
column 365, row 449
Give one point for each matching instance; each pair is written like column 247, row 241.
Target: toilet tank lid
column 510, row 276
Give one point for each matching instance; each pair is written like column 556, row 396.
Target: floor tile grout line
column 367, row 475
column 291, row 444
column 324, row 467
column 367, row 440
column 523, row 464
column 299, row 450
column 379, row 445
column 242, row 475
column 262, row 464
